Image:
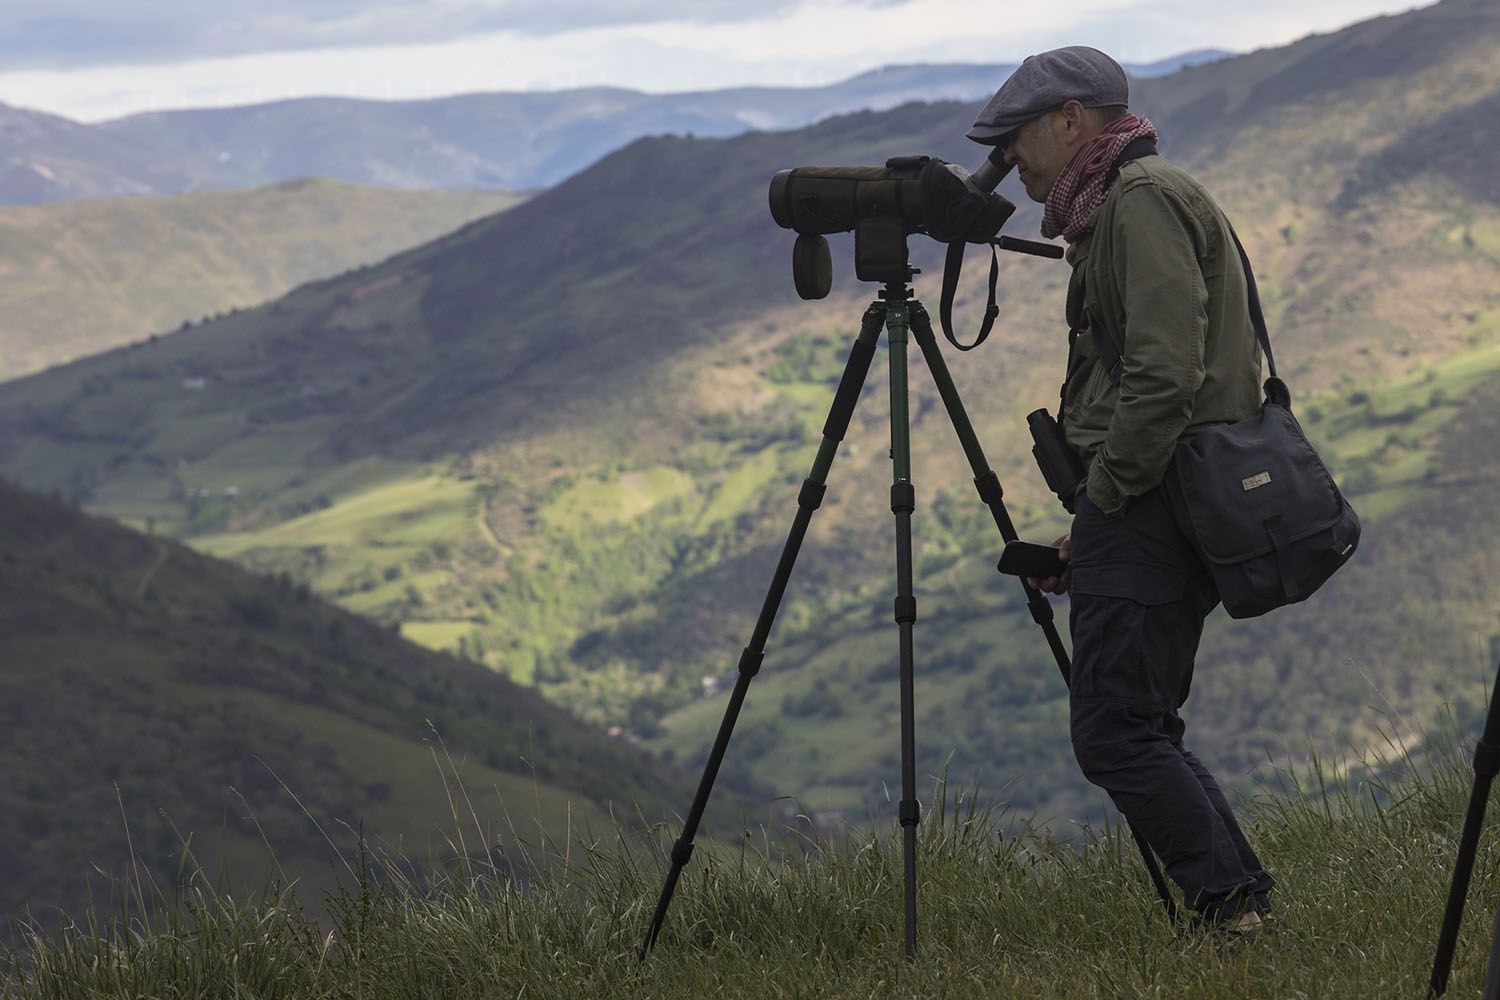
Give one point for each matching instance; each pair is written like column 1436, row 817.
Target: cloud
column 45, row 34
column 248, row 52
column 68, row 34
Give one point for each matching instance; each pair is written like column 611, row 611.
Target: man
column 1156, row 271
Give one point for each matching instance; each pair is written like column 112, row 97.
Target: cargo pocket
column 1121, row 590
column 1140, row 555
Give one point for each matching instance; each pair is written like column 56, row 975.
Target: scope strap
column 951, row 270
column 954, row 265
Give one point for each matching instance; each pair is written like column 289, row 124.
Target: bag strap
column 1257, row 317
column 1114, row 364
column 951, row 269
column 1281, row 545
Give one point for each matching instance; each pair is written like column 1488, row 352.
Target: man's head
column 1041, row 148
column 1052, row 104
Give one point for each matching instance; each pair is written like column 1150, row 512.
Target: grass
column 617, row 500
column 437, row 634
column 742, row 485
column 1363, row 857
column 1378, row 439
column 363, row 546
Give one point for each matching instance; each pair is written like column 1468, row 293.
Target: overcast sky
column 95, row 59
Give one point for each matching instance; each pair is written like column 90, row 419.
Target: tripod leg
column 985, row 480
column 808, row 500
column 990, row 491
column 1491, row 990
column 1486, row 765
column 903, row 502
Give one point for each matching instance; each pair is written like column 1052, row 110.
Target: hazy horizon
column 88, row 60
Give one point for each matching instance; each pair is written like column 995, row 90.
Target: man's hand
column 1055, row 584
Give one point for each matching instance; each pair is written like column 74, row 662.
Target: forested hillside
column 167, row 714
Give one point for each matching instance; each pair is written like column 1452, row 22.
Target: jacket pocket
column 1084, row 391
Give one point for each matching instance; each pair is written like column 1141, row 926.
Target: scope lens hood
column 781, row 209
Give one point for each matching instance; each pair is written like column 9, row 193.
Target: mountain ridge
column 512, row 140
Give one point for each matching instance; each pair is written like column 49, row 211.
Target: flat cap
column 1049, row 80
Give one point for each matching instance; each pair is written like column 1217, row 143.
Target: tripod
column 1486, row 766
column 900, row 315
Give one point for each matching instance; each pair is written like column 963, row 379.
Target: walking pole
column 1486, row 766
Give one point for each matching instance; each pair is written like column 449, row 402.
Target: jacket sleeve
column 1164, row 295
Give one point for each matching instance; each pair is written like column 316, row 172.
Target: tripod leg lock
column 911, row 812
column 903, row 497
column 682, row 852
column 750, row 661
column 906, row 610
column 989, row 488
column 1041, row 611
column 810, row 497
column 1487, row 759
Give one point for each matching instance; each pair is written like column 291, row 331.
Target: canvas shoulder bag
column 1267, row 519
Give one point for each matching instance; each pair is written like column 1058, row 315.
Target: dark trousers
column 1139, row 597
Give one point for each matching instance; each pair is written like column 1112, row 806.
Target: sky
column 92, row 60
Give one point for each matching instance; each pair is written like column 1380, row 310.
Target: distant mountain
column 501, row 140
column 566, row 439
column 1165, row 67
column 48, row 158
column 81, row 277
column 157, row 701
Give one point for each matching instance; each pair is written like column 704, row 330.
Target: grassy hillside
column 157, row 701
column 1363, row 868
column 566, row 440
column 81, row 277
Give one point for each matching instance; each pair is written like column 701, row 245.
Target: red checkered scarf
column 1081, row 187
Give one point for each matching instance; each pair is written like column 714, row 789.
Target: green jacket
column 1161, row 272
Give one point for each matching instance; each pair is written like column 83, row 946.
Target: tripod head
column 897, row 291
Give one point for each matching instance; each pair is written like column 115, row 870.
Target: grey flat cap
column 1050, row 80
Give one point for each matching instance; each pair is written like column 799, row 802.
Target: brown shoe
column 1241, row 925
column 1247, row 922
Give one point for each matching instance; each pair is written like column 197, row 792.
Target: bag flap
column 1236, row 477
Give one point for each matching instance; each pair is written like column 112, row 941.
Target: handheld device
column 1031, row 559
